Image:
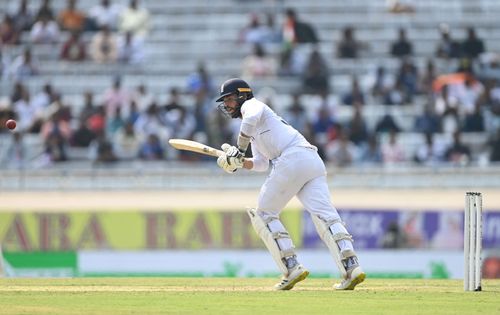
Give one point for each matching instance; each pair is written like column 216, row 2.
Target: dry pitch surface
column 241, row 296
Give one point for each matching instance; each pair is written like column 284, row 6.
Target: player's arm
column 248, row 164
column 243, row 141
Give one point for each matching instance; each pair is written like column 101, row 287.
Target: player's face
column 230, row 103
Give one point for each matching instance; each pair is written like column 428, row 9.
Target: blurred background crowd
column 371, row 83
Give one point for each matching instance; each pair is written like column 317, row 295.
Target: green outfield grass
column 241, row 296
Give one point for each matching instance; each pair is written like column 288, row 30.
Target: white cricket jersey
column 271, row 134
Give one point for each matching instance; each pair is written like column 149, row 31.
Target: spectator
column 396, row 95
column 45, row 11
column 270, row 33
column 341, row 151
column 14, row 154
column 174, row 102
column 25, row 112
column 428, row 78
column 387, row 124
column 473, row 46
column 55, row 148
column 428, row 121
column 9, row 35
column 392, row 152
column 127, row 142
column 450, row 120
column 97, row 122
column 355, row 95
column 62, row 110
column 83, row 136
column 253, row 32
column 296, row 31
column 115, row 96
column 133, row 112
column 45, row 31
column 258, row 64
column 446, row 106
column 357, row 127
column 370, row 152
column 447, row 47
column 56, row 133
column 71, row 19
column 474, row 121
column 24, row 66
column 445, row 100
column 44, row 98
column 458, row 152
column 218, row 129
column 130, row 49
column 316, row 76
column 203, row 114
column 142, row 98
column 101, row 150
column 134, row 20
column 105, row 15
column 324, row 128
column 23, row 18
column 257, row 33
column 17, row 91
column 151, row 149
column 114, row 122
column 402, row 47
column 104, row 46
column 181, row 121
column 200, row 80
column 296, row 116
column 88, row 106
column 408, row 78
column 430, row 152
column 73, row 48
column 348, row 46
column 151, row 122
column 382, row 85
column 468, row 95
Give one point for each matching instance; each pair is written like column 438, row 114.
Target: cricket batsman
column 297, row 170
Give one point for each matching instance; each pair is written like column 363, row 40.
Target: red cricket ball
column 11, row 124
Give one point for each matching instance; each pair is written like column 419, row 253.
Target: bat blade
column 193, row 146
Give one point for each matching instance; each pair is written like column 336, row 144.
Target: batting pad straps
column 271, row 238
column 330, row 239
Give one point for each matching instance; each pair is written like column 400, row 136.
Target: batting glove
column 223, row 163
column 234, row 156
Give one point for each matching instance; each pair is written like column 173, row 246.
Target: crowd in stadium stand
column 125, row 124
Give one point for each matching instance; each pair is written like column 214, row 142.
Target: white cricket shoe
column 354, row 277
column 296, row 274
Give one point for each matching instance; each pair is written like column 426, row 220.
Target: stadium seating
column 184, row 33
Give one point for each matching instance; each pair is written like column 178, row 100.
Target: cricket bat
column 189, row 145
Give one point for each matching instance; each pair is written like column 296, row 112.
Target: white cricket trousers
column 299, row 171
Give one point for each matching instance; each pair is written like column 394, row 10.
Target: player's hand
column 234, row 156
column 222, row 161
